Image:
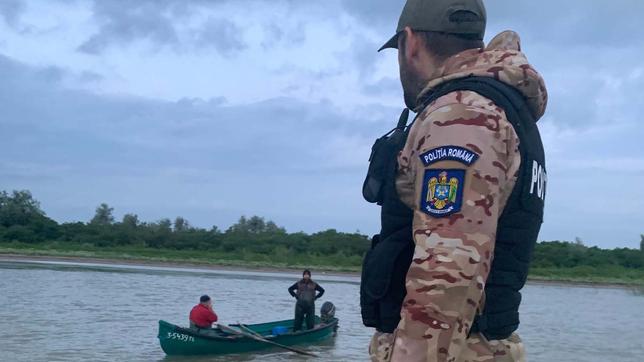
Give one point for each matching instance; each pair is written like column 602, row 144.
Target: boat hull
column 178, row 341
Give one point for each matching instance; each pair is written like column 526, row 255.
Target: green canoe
column 178, row 341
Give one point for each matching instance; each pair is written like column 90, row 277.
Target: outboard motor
column 327, row 312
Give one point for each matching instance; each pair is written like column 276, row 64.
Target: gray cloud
column 165, row 155
column 122, row 22
column 376, row 13
column 365, row 56
column 222, row 35
column 573, row 22
column 11, row 10
column 275, row 34
column 383, row 86
column 90, row 77
column 160, row 22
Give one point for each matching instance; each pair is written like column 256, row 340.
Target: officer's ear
column 409, row 44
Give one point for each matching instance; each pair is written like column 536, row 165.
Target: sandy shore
column 171, row 264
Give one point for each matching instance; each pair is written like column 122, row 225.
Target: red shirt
column 202, row 316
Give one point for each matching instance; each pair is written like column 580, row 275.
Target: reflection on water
column 71, row 312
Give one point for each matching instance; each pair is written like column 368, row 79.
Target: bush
column 22, row 234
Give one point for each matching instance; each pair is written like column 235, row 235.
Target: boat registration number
column 180, row 337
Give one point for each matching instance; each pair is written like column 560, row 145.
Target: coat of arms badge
column 442, row 193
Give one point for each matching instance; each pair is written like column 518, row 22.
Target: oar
column 264, row 340
column 250, row 331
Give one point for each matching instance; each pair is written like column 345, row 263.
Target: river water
column 57, row 311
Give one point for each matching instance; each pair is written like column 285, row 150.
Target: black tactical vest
column 382, row 289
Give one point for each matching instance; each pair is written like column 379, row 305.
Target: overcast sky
column 214, row 109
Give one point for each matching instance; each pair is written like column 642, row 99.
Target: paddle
column 262, row 339
column 248, row 330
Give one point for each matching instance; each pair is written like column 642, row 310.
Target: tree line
column 23, row 221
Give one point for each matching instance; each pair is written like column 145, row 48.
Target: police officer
column 462, row 191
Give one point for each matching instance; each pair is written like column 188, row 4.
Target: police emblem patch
column 442, row 192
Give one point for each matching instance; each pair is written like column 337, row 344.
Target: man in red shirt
column 202, row 316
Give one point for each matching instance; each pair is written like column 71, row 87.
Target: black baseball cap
column 467, row 17
column 204, row 298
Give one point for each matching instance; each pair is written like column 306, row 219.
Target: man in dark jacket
column 304, row 292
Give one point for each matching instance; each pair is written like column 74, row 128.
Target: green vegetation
column 25, row 229
column 564, row 261
column 255, row 242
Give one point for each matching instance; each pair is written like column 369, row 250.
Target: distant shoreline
column 169, row 263
column 266, row 269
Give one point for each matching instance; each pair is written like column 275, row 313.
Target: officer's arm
column 456, row 207
column 291, row 290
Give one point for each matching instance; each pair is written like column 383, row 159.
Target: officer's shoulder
column 477, row 111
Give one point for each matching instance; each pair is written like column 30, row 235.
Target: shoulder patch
column 449, row 153
column 442, row 193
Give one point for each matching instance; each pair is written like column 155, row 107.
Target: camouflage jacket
column 453, row 254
